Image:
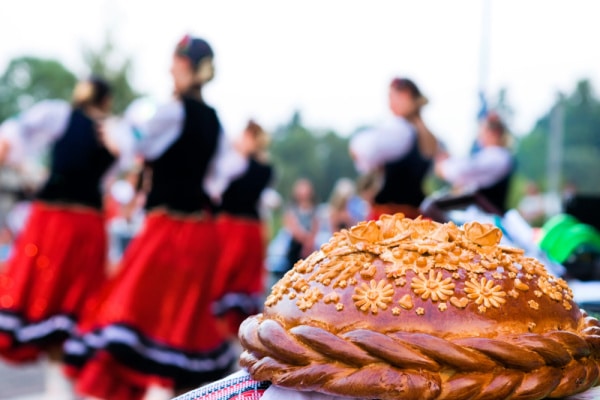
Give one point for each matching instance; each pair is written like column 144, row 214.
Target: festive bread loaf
column 413, row 309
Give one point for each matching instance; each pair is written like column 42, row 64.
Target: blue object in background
column 5, row 252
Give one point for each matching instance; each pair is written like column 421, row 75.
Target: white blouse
column 374, row 147
column 148, row 129
column 481, row 170
column 33, row 130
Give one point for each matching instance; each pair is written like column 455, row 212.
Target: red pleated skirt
column 240, row 278
column 55, row 269
column 154, row 324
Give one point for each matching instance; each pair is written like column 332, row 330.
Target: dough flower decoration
column 482, row 234
column 367, row 232
column 434, row 285
column 485, row 292
column 374, row 296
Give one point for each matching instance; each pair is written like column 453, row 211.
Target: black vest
column 178, row 174
column 243, row 194
column 78, row 160
column 497, row 193
column 403, row 179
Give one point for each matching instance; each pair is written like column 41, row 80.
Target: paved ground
column 21, row 383
column 28, row 383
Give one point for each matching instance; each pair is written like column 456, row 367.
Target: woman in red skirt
column 153, row 332
column 58, row 260
column 238, row 285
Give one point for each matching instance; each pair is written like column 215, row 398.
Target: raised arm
column 428, row 143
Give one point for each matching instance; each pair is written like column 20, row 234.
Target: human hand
column 441, row 155
column 438, row 168
column 4, row 149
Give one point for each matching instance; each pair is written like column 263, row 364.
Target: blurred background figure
column 488, row 170
column 401, row 150
column 159, row 335
column 534, row 205
column 19, row 183
column 367, row 186
column 343, row 210
column 340, row 216
column 124, row 202
column 6, row 240
column 297, row 237
column 239, row 281
column 300, row 220
column 59, row 260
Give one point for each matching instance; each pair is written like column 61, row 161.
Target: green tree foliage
column 320, row 156
column 105, row 62
column 581, row 146
column 28, row 80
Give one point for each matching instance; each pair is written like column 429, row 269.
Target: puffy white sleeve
column 482, row 170
column 33, row 130
column 226, row 165
column 372, row 148
column 148, row 128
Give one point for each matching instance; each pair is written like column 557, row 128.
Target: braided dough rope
column 413, row 309
column 404, row 365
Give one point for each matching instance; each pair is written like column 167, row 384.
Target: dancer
column 240, row 279
column 153, row 332
column 402, row 150
column 488, row 170
column 58, row 261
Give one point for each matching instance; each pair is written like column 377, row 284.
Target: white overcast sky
column 332, row 59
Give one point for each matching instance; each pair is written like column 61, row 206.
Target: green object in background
column 575, row 237
column 564, row 234
column 554, row 228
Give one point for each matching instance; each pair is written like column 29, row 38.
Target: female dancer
column 58, row 261
column 238, row 285
column 153, row 332
column 488, row 171
column 402, row 150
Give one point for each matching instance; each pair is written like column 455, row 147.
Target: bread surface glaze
column 413, row 309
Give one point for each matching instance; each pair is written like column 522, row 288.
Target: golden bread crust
column 401, row 308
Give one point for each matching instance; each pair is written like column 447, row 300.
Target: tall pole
column 483, row 73
column 555, row 153
column 484, row 49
